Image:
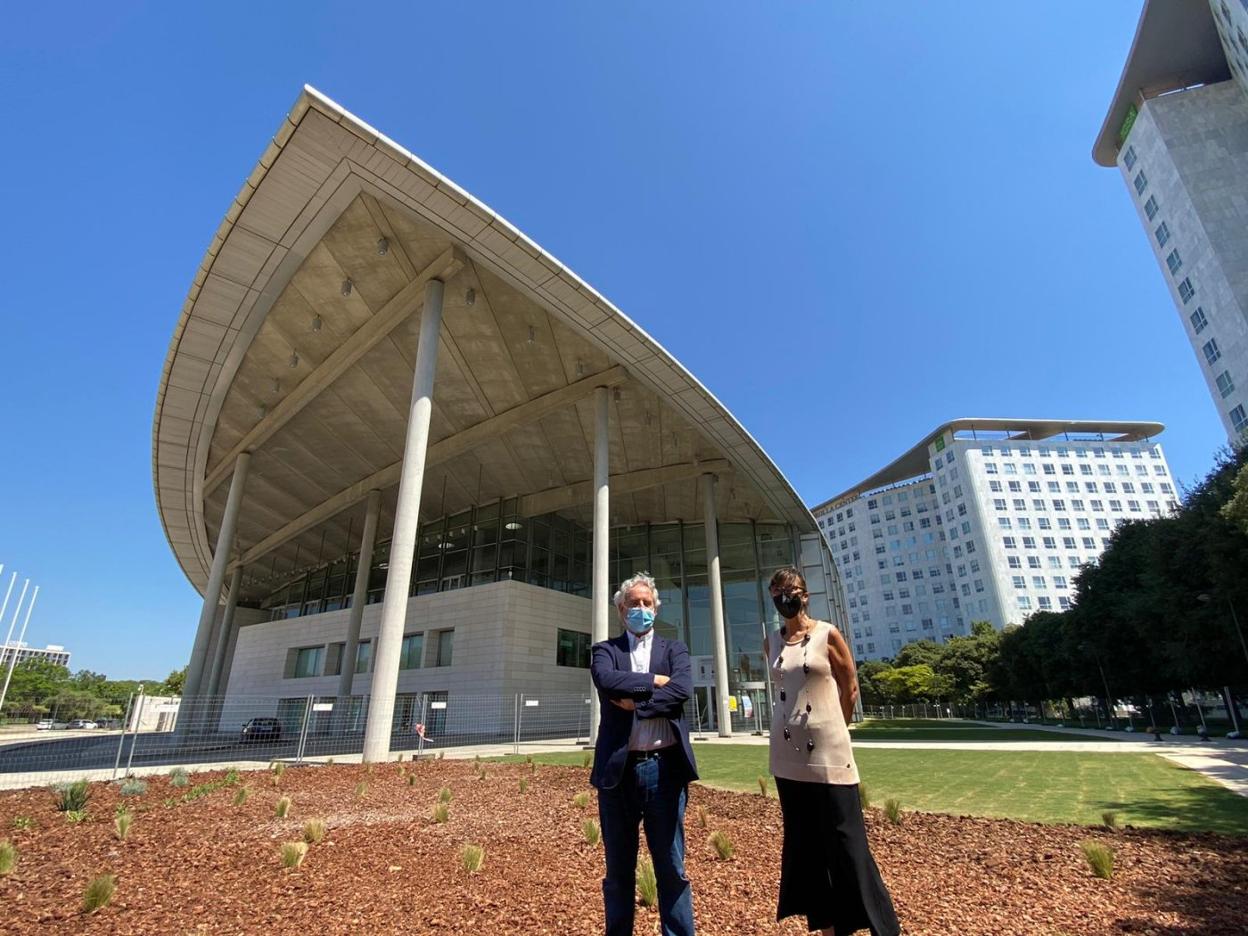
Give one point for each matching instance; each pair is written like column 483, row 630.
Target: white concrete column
column 198, row 665
column 222, row 637
column 716, row 596
column 403, row 542
column 359, row 597
column 602, row 539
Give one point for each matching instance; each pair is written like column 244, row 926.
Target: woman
column 827, row 873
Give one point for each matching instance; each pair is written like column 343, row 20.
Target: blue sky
column 811, row 206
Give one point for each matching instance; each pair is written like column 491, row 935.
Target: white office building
column 1177, row 130
column 986, row 519
column 53, row 653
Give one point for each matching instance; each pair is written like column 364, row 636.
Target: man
column 643, row 762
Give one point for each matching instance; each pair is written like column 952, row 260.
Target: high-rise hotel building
column 1177, row 129
column 986, row 519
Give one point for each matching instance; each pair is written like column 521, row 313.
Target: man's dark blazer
column 613, row 675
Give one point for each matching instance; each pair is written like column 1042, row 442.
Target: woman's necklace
column 805, row 643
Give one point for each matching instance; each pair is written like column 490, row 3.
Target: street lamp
column 1230, row 700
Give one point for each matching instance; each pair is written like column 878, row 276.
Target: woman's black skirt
column 827, row 873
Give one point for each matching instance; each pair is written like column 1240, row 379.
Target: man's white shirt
column 648, row 733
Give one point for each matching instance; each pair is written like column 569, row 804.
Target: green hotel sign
column 940, row 442
column 1127, row 123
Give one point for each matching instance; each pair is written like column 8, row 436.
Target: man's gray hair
column 637, row 578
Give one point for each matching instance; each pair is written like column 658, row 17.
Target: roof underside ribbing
column 297, row 344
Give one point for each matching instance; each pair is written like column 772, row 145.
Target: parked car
column 43, row 724
column 262, row 729
column 83, row 723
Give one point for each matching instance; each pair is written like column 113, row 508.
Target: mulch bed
column 208, row 866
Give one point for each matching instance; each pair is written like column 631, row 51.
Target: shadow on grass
column 1185, row 809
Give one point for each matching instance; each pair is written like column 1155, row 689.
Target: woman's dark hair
column 787, row 578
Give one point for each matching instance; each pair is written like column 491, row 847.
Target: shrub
column 8, row 856
column 277, row 768
column 360, row 789
column 98, row 893
column 591, row 831
column 647, row 884
column 232, row 777
column 241, row 796
column 472, row 857
column 864, row 796
column 722, row 844
column 581, row 800
column 704, row 819
column 21, row 823
column 71, row 797
column 293, row 854
column 313, row 830
column 282, row 807
column 444, row 795
column 77, row 815
column 121, row 824
column 178, row 777
column 1100, row 858
column 133, row 786
column 524, row 785
column 892, row 810
column 441, row 812
column 762, row 785
column 1109, row 819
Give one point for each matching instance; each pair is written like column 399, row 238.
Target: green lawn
column 918, row 729
column 1037, row 786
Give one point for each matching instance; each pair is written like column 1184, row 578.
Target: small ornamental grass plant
column 360, row 789
column 8, row 856
column 121, row 824
column 472, row 857
column 704, row 818
column 590, row 830
column 441, row 812
column 524, row 785
column 133, row 786
column 313, row 831
column 864, row 796
column 293, row 854
column 1109, row 819
column 762, row 785
column 21, row 823
column 723, row 846
column 581, row 800
column 411, row 779
column 77, row 815
column 892, row 810
column 240, row 796
column 587, row 759
column 98, row 893
column 444, row 795
column 178, row 777
column 282, row 807
column 1100, row 858
column 277, row 768
column 647, row 883
column 71, row 797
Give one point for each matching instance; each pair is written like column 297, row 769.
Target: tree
column 172, row 686
column 869, row 689
column 34, row 681
column 904, row 684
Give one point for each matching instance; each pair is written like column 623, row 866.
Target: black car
column 262, row 729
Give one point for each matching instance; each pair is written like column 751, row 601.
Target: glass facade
column 494, row 543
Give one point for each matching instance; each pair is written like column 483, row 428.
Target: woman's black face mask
column 788, row 605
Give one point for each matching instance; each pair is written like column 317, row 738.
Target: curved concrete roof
column 296, row 339
column 1176, row 45
column 915, row 462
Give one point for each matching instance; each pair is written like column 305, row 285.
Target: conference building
column 1177, row 130
column 406, row 455
column 987, row 520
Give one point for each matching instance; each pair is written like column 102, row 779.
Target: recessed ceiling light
column 513, row 525
column 347, row 286
column 277, row 385
column 532, row 334
column 383, row 246
column 294, row 358
column 470, row 297
column 316, row 323
column 580, row 368
column 616, row 394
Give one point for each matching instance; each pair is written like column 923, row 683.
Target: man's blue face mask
column 639, row 620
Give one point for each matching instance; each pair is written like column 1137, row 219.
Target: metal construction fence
column 157, row 734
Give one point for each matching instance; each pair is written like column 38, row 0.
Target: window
column 1225, row 385
column 1018, row 581
column 1174, row 261
column 572, row 648
column 1150, row 207
column 1024, row 603
column 1141, row 182
column 1211, row 351
column 308, row 662
column 363, row 655
column 1186, row 290
column 1128, row 158
column 1163, row 234
column 443, row 647
column 410, row 651
column 1238, row 418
